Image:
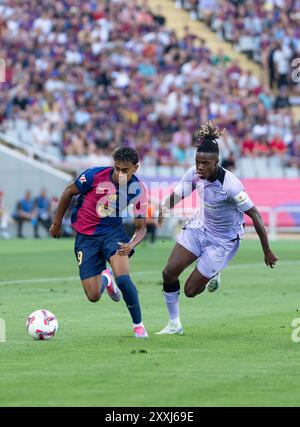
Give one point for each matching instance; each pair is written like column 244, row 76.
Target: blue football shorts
column 93, row 252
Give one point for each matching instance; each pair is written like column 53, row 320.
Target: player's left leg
column 107, row 278
column 96, row 285
column 214, row 283
column 195, row 284
column 214, row 258
column 120, row 267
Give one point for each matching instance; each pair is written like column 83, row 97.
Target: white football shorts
column 213, row 254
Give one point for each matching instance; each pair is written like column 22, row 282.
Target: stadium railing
column 275, row 225
column 30, row 151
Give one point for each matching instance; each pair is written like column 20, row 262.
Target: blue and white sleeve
column 85, row 180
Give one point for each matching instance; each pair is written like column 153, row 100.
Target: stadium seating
column 97, row 77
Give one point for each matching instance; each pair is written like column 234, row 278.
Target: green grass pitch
column 236, row 351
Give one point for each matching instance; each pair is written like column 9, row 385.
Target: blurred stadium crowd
column 268, row 31
column 85, row 77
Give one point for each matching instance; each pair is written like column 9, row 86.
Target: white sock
column 172, row 303
column 175, row 322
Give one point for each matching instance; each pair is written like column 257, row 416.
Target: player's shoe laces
column 140, row 331
column 111, row 288
column 214, row 283
column 171, row 329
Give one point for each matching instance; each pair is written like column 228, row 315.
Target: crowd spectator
column 262, row 147
column 37, row 211
column 293, row 158
column 248, row 146
column 229, row 163
column 266, row 30
column 25, row 211
column 277, row 146
column 43, row 212
column 86, row 77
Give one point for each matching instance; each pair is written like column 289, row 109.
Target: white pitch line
column 262, row 264
column 136, row 273
column 58, row 279
column 40, row 280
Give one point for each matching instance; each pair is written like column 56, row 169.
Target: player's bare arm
column 168, row 204
column 139, row 234
column 64, row 201
column 270, row 257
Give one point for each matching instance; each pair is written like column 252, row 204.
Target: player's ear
column 136, row 167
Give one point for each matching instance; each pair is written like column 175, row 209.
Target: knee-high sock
column 171, row 295
column 130, row 295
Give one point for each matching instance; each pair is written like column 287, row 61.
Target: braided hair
column 207, row 136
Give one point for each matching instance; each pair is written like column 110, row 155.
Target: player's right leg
column 91, row 264
column 120, row 267
column 179, row 260
column 92, row 288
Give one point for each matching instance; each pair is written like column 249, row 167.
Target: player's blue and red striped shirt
column 102, row 204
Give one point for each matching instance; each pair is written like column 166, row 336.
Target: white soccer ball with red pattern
column 42, row 325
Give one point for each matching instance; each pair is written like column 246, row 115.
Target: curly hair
column 126, row 154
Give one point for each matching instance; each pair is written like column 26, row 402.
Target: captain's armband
column 242, row 199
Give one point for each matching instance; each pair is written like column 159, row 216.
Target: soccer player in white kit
column 213, row 237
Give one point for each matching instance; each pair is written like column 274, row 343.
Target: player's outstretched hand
column 55, row 231
column 125, row 249
column 270, row 258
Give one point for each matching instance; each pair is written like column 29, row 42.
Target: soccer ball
column 41, row 325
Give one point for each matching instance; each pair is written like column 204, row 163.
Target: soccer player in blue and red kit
column 105, row 194
column 212, row 237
